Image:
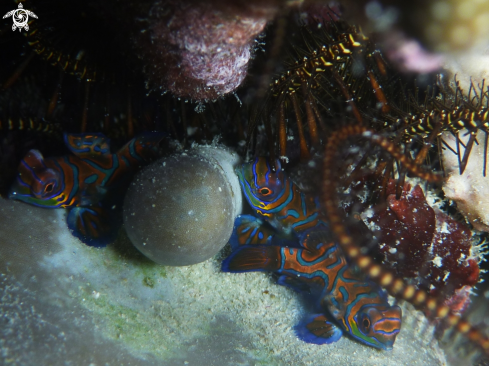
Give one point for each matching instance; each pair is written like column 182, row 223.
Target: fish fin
column 95, row 226
column 250, row 230
column 294, row 283
column 142, row 147
column 309, row 287
column 318, row 329
column 253, row 258
column 313, row 238
column 86, row 145
column 285, row 241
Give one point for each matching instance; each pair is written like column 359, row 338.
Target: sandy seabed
column 64, row 303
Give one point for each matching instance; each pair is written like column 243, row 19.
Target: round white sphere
column 180, row 209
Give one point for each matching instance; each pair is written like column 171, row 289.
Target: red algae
column 407, row 229
column 424, row 244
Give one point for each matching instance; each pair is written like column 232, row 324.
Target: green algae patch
column 133, row 328
column 155, row 309
column 153, row 271
column 122, row 289
column 148, row 282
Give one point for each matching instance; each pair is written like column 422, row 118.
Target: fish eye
column 49, row 188
column 265, row 191
column 366, row 323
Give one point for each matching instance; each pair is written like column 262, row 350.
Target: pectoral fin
column 253, row 258
column 314, row 238
column 294, row 283
column 318, row 329
column 249, row 230
column 95, row 226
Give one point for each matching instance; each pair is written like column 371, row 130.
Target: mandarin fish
column 290, row 237
column 90, row 183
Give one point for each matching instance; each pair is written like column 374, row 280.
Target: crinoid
column 333, row 71
column 336, row 90
column 316, row 76
column 83, row 65
column 434, row 307
column 447, row 108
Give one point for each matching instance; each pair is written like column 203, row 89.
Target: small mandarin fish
column 291, row 238
column 90, row 183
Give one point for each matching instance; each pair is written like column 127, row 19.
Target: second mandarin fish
column 90, row 183
column 290, row 237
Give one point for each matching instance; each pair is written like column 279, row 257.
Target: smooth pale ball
column 180, row 210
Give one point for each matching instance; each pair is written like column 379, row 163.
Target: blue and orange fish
column 90, row 183
column 291, row 238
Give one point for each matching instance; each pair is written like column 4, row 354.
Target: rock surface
column 471, row 189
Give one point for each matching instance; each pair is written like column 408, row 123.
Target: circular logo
column 20, row 18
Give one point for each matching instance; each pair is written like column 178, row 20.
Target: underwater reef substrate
column 66, row 303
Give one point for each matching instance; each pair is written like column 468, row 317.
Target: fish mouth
column 239, row 172
column 23, row 194
column 15, row 196
column 18, row 195
column 17, row 192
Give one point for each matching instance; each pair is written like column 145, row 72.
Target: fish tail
column 253, row 258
